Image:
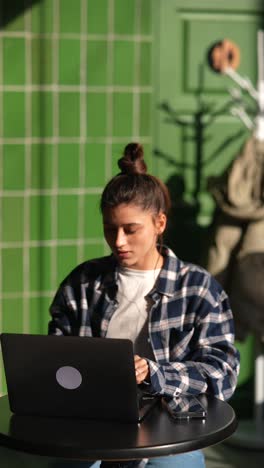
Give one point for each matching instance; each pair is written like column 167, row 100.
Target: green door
column 196, row 137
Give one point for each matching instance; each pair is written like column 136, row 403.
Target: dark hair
column 134, row 185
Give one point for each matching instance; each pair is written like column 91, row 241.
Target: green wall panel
column 15, row 71
column 69, row 61
column 13, row 167
column 68, row 165
column 75, row 88
column 97, row 17
column 69, row 23
column 12, row 212
column 96, row 114
column 123, row 63
column 95, row 167
column 13, row 114
column 12, row 266
column 195, row 135
column 97, row 51
column 69, row 114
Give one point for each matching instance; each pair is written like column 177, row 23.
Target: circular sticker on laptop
column 69, row 377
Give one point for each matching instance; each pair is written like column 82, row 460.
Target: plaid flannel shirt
column 191, row 328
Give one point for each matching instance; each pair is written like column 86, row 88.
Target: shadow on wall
column 184, row 234
column 10, row 9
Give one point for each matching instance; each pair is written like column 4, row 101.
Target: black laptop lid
column 70, row 376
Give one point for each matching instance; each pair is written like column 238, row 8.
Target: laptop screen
column 78, row 377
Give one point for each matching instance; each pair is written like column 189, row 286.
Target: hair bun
column 132, row 161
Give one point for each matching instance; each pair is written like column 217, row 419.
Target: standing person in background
column 176, row 314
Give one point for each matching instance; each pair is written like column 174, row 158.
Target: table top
column 157, row 435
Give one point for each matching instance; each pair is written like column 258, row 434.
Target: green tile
column 145, row 67
column 96, row 114
column 124, row 68
column 35, row 269
column 70, row 16
column 93, row 219
column 68, row 215
column 124, row 21
column 37, row 23
column 42, row 16
column 42, row 158
column 35, row 173
column 35, row 316
column 97, row 16
column 13, row 216
column 94, row 165
column 14, row 114
column 12, row 319
column 68, row 165
column 46, row 254
column 69, row 114
column 123, row 114
column 146, row 17
column 12, row 272
column 93, row 251
column 97, row 54
column 42, row 114
column 145, row 115
column 46, row 165
column 69, row 61
column 41, row 60
column 14, row 61
column 13, row 22
column 45, row 303
column 36, row 218
column 46, row 203
column 13, row 167
column 66, row 261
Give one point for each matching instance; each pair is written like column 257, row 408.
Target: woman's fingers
column 141, row 369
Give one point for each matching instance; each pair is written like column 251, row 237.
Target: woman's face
column 131, row 234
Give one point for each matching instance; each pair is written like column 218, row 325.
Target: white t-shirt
column 130, row 319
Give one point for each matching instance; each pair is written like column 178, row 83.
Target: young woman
column 176, row 314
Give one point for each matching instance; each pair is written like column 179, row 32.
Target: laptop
column 73, row 377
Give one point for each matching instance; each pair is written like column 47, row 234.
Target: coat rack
column 224, row 58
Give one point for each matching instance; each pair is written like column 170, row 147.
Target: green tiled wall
column 75, row 87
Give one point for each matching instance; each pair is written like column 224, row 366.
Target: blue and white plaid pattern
column 191, row 327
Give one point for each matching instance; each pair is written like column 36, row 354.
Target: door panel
column 195, row 135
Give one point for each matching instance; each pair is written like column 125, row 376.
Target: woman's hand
column 141, row 369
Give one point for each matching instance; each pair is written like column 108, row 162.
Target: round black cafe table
column 157, row 435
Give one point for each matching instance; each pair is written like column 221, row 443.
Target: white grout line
column 110, row 88
column 27, row 294
column 137, row 50
column 51, row 192
column 86, row 37
column 50, row 243
column 55, row 115
column 153, row 54
column 57, row 139
column 1, row 186
column 83, row 129
column 78, row 88
column 28, row 132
